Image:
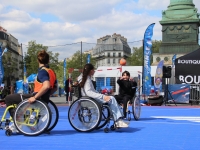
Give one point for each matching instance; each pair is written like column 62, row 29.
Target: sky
column 63, row 24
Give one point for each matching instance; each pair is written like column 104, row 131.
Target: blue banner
column 24, row 73
column 179, row 92
column 88, row 58
column 1, row 67
column 173, row 60
column 158, row 77
column 64, row 71
column 147, row 44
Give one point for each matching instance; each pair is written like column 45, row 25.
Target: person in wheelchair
column 87, row 89
column 127, row 89
column 45, row 85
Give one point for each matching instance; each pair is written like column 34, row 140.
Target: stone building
column 110, row 49
column 180, row 30
column 13, row 66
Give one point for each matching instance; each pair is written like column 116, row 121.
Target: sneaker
column 13, row 128
column 121, row 124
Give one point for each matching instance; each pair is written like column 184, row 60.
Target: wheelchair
column 86, row 114
column 31, row 119
column 136, row 108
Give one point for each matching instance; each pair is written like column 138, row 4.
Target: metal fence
column 195, row 93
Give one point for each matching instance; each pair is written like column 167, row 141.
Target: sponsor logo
column 189, row 79
column 194, row 62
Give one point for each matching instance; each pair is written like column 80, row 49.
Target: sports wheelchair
column 86, row 114
column 31, row 119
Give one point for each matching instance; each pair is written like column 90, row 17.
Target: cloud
column 81, row 20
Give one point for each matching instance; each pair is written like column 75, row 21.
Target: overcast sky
column 63, row 22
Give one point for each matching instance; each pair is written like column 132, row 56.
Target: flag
column 5, row 50
column 158, row 76
column 88, row 58
column 173, row 60
column 24, row 73
column 64, row 71
column 147, row 44
column 1, row 67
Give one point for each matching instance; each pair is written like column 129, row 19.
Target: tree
column 75, row 61
column 10, row 67
column 31, row 58
column 136, row 58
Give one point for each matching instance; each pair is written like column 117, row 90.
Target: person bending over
column 127, row 88
column 87, row 89
column 45, row 85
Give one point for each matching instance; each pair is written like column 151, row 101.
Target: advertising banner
column 187, row 68
column 88, row 58
column 1, row 67
column 158, row 77
column 179, row 92
column 64, row 71
column 147, row 44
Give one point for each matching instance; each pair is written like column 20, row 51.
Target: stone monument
column 180, row 30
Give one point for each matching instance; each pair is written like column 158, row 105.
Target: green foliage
column 10, row 66
column 31, row 58
column 136, row 58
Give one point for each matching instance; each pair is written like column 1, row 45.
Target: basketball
column 122, row 62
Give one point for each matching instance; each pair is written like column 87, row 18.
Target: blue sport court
column 159, row 128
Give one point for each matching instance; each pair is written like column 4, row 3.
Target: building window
column 108, row 61
column 113, row 54
column 108, row 54
column 113, row 61
column 119, row 54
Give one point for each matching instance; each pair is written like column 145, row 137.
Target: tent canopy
column 187, row 68
column 31, row 78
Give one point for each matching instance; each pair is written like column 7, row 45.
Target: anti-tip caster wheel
column 106, row 130
column 8, row 132
column 112, row 128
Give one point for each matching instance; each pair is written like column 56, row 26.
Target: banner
column 24, row 73
column 64, row 71
column 147, row 44
column 158, row 77
column 88, row 58
column 187, row 68
column 179, row 92
column 1, row 67
column 173, row 60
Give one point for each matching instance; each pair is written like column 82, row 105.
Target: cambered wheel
column 105, row 117
column 32, row 119
column 136, row 108
column 84, row 114
column 55, row 116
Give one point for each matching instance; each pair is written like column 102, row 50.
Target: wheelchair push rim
column 84, row 115
column 32, row 119
column 136, row 108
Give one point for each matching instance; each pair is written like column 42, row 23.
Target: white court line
column 186, row 118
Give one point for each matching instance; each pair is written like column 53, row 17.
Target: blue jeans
column 114, row 107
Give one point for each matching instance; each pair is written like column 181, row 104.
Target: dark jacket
column 127, row 87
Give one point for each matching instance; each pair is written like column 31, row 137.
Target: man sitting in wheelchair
column 45, row 85
column 87, row 89
column 127, row 89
